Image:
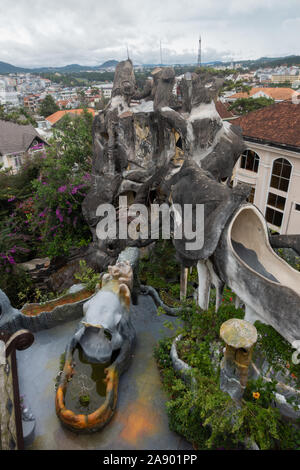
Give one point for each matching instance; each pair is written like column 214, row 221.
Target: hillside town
column 278, row 85
column 28, row 91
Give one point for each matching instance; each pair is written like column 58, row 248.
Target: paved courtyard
column 140, row 420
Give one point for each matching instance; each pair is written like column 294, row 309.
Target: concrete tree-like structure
column 180, row 152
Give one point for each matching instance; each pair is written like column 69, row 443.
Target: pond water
column 86, row 391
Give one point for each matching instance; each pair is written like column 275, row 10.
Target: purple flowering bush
column 59, row 191
column 40, row 207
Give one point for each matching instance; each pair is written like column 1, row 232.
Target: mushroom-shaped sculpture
column 240, row 337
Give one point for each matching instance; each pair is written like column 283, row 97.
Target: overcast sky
column 89, row 32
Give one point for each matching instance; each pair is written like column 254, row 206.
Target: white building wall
column 11, row 161
column 262, row 179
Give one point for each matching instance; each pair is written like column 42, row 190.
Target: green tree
column 82, row 99
column 94, row 91
column 238, row 86
column 245, row 105
column 17, row 115
column 48, row 106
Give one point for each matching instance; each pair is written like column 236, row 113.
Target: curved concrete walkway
column 140, row 420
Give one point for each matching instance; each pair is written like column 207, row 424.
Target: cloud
column 60, row 32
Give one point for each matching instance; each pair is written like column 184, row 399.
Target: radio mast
column 199, row 53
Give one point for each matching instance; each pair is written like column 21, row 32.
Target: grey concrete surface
column 140, row 420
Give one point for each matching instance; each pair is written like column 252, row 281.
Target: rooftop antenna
column 128, row 53
column 199, row 53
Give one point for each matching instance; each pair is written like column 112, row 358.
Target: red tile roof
column 54, row 118
column 62, row 103
column 279, row 94
column 278, row 123
column 222, row 109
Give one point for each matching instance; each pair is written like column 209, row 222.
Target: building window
column 276, row 201
column 274, row 217
column 250, row 161
column 18, row 162
column 297, row 207
column 275, row 209
column 281, row 174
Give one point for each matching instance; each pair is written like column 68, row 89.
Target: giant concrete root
column 171, row 311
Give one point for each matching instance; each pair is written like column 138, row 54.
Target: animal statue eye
column 108, row 335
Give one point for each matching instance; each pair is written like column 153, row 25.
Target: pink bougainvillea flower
column 43, row 214
column 62, row 189
column 11, row 199
column 59, row 215
column 76, row 188
column 69, row 208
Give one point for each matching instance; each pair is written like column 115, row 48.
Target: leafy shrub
column 278, row 351
column 87, row 276
column 204, row 414
column 210, row 419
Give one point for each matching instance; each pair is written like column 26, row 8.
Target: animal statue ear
column 124, row 294
column 105, row 278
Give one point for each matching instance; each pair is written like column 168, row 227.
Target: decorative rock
column 37, row 263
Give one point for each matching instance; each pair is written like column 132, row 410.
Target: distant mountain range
column 8, row 68
column 263, row 61
column 270, row 61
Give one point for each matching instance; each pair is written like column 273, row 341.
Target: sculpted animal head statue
column 106, row 316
